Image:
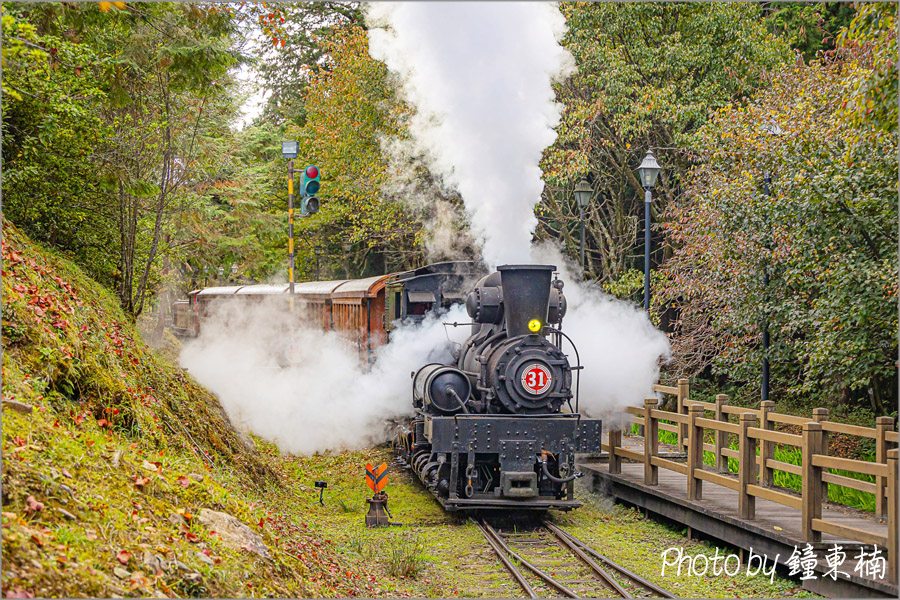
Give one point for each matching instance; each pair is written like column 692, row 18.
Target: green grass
column 791, row 455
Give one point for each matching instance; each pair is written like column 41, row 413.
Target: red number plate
column 536, row 379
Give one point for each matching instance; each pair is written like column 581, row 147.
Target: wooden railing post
column 892, row 523
column 694, row 452
column 651, row 442
column 684, row 392
column 721, row 436
column 766, row 448
column 615, row 441
column 882, row 426
column 811, row 486
column 746, row 467
column 819, row 415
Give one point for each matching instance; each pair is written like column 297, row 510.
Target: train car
column 361, row 311
column 185, row 320
column 314, row 301
column 357, row 309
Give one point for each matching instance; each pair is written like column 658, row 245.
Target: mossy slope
column 120, row 452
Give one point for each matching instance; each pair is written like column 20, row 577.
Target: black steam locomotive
column 497, row 429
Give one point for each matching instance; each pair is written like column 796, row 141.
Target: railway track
column 556, row 564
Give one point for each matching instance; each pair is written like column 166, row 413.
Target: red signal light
column 312, row 172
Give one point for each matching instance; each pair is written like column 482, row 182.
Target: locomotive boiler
column 497, row 428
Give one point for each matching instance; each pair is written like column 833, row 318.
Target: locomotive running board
column 557, row 433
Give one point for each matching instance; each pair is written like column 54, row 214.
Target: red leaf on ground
column 192, row 538
column 183, row 481
column 262, row 522
column 33, row 505
column 123, row 556
column 102, row 422
column 19, row 441
column 19, row 593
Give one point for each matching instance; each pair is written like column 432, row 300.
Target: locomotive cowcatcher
column 496, row 429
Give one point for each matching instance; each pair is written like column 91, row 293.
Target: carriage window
column 420, row 302
column 418, row 308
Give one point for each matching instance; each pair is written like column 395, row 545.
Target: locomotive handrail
column 577, row 367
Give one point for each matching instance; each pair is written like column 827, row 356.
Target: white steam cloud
column 480, row 74
column 327, row 400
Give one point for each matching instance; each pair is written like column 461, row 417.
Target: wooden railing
column 757, row 438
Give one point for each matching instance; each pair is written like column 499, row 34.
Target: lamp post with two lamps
column 583, row 192
column 648, row 172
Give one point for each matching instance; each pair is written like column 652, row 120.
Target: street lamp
column 648, row 172
column 583, row 194
column 205, row 274
column 221, row 273
column 234, row 271
column 290, row 150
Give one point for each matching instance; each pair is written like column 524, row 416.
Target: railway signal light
column 309, row 204
column 311, row 180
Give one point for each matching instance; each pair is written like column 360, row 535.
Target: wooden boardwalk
column 775, row 530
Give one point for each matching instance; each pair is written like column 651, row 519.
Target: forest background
column 122, row 150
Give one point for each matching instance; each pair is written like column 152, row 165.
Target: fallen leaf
column 123, row 556
column 183, row 481
column 33, row 505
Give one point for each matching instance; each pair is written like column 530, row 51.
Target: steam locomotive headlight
column 534, row 325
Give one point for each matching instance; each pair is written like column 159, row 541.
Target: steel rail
column 544, row 576
column 633, row 576
column 517, row 575
column 568, row 543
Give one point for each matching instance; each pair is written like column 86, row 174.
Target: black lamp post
column 648, row 172
column 583, row 194
column 221, row 274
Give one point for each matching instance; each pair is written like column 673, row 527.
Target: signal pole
column 291, row 228
column 290, row 150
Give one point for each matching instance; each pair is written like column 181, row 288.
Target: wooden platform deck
column 775, row 530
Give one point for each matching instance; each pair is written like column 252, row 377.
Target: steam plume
column 480, row 75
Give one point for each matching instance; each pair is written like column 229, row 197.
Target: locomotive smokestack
column 526, row 296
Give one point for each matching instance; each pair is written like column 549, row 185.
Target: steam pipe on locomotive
column 489, row 430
